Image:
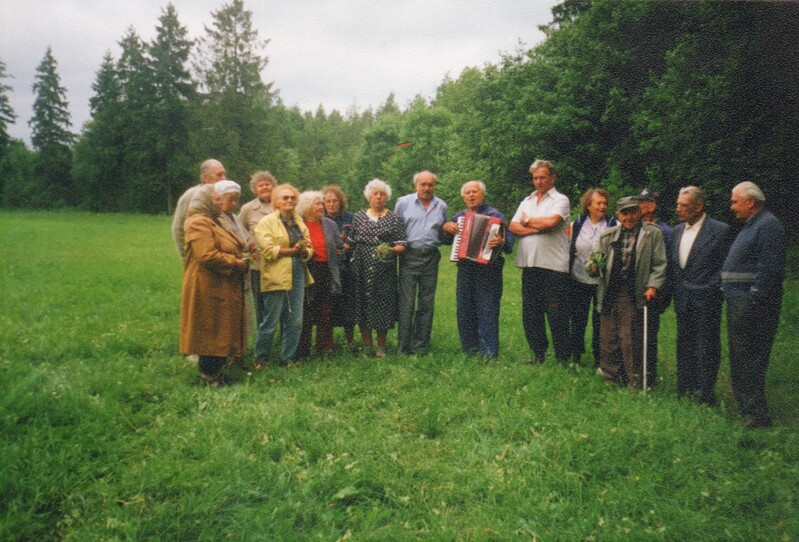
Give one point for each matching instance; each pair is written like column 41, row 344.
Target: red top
column 317, row 241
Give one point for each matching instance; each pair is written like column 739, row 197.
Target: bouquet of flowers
column 383, row 251
column 250, row 254
column 596, row 264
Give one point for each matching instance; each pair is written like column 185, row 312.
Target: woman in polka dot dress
column 377, row 235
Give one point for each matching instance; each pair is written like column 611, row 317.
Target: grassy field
column 108, row 436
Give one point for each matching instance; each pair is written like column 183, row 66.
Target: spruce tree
column 234, row 119
column 99, row 157
column 51, row 137
column 174, row 88
column 138, row 113
column 7, row 115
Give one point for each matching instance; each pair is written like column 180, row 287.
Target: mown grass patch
column 107, row 434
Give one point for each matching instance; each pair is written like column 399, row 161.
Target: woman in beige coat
column 212, row 303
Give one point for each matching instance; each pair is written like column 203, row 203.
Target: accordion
column 474, row 233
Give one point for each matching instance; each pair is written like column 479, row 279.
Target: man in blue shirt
column 751, row 278
column 423, row 214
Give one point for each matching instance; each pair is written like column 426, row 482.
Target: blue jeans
column 255, row 278
column 283, row 307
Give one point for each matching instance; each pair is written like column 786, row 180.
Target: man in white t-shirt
column 543, row 255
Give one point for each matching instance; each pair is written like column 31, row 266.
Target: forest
column 622, row 95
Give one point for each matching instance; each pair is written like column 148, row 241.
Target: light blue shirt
column 423, row 226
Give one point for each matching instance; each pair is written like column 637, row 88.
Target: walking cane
column 646, row 325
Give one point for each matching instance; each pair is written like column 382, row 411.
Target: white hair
column 307, row 199
column 748, row 189
column 206, row 166
column 377, row 185
column 481, row 184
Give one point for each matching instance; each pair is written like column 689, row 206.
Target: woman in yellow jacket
column 285, row 246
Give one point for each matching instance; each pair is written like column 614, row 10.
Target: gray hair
column 379, row 186
column 697, row 194
column 481, row 184
column 307, row 199
column 748, row 189
column 206, row 166
column 416, row 176
column 259, row 176
column 543, row 163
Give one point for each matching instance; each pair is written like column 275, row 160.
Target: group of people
column 304, row 261
column 630, row 267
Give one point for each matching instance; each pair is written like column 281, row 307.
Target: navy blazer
column 700, row 281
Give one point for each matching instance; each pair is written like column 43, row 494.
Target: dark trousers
column 751, row 328
column 318, row 310
column 478, row 294
column 544, row 295
column 652, row 331
column 699, row 349
column 582, row 299
column 417, row 294
column 211, row 365
column 621, row 340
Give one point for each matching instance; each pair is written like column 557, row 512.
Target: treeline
column 620, row 94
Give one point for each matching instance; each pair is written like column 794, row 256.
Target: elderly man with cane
column 630, row 259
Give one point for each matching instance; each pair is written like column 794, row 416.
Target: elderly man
column 751, row 278
column 635, row 270
column 479, row 285
column 211, row 171
column 696, row 250
column 423, row 214
column 540, row 224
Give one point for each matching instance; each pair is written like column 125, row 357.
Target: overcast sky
column 337, row 53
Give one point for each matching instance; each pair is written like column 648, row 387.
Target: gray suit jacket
column 650, row 260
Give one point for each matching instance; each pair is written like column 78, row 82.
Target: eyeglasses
column 288, row 198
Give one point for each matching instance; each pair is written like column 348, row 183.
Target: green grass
column 108, row 436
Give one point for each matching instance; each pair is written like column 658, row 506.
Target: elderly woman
column 231, row 194
column 285, row 245
column 212, row 302
column 343, row 311
column 585, row 232
column 261, row 184
column 324, row 269
column 377, row 236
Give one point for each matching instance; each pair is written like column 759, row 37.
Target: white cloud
column 337, row 53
